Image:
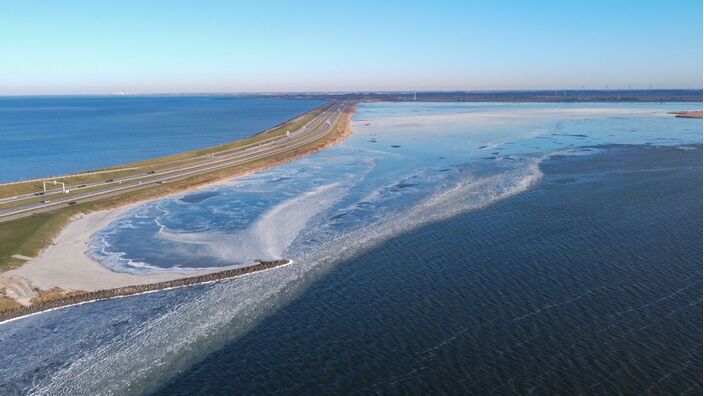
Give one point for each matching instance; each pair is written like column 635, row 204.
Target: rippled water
column 583, row 273
column 54, row 135
column 591, row 283
column 406, row 164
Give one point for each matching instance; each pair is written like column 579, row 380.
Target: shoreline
column 64, row 263
column 688, row 114
column 139, row 164
column 157, row 164
column 132, row 290
column 63, row 270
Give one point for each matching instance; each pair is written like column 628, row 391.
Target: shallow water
column 557, row 283
column 590, row 283
column 419, row 162
column 49, row 136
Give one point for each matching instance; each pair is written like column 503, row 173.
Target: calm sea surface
column 443, row 248
column 47, row 136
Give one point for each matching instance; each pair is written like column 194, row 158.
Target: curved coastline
column 63, row 274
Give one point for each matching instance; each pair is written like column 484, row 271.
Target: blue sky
column 53, row 47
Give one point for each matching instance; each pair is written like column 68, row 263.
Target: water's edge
column 107, row 294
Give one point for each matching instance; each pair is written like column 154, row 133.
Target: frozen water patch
column 469, row 194
column 132, row 346
column 279, row 227
column 147, row 353
column 268, row 237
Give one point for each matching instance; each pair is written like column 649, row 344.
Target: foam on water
column 217, row 313
column 316, row 211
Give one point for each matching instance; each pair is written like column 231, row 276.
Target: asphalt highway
column 56, row 198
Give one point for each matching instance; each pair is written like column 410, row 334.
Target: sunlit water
column 55, row 135
column 406, row 165
column 588, row 283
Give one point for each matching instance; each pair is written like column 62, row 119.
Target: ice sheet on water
column 318, row 211
column 269, row 214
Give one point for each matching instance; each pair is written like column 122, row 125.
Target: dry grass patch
column 54, row 294
column 8, row 304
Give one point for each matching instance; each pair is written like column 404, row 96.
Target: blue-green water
column 499, row 248
column 48, row 136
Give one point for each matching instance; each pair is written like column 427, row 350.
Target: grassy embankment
column 28, row 236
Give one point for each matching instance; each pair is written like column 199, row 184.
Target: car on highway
column 109, row 180
column 72, row 203
column 46, row 201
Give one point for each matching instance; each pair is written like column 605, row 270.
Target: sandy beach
column 65, row 264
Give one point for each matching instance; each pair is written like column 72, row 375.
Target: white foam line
column 143, row 293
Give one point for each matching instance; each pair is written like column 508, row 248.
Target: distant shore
column 688, row 114
column 516, row 96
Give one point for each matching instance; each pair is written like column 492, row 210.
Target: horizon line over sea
column 556, row 90
column 526, row 228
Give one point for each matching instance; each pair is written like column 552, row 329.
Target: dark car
column 109, row 180
column 72, row 203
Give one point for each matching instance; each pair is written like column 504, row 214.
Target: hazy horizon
column 273, row 93
column 83, row 48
